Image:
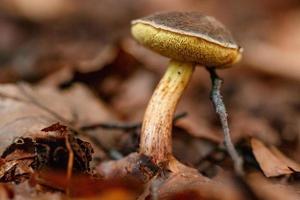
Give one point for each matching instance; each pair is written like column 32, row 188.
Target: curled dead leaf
column 45, row 149
column 272, row 161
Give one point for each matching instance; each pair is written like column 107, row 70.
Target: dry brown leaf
column 104, row 57
column 88, row 187
column 272, row 161
column 189, row 180
column 111, row 194
column 266, row 190
column 47, row 148
column 57, row 78
column 278, row 54
column 80, row 35
column 86, row 108
column 189, row 149
column 198, row 130
column 134, row 94
column 289, row 162
column 6, row 192
column 246, row 126
column 21, row 116
column 37, row 11
column 272, row 59
column 135, row 165
column 196, row 103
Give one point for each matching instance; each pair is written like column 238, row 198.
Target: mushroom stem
column 156, row 134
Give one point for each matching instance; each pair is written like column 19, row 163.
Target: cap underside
column 184, row 47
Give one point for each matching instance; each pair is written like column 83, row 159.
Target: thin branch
column 124, row 127
column 220, row 109
column 111, row 153
column 70, row 163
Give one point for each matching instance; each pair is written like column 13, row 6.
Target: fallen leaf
column 83, row 186
column 289, row 162
column 272, row 161
column 251, row 126
column 140, row 85
column 266, row 189
column 45, row 149
column 36, row 11
column 27, row 110
column 6, row 192
column 136, row 166
column 188, row 180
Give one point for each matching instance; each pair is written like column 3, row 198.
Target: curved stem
column 156, row 134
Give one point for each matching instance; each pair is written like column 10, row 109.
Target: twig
column 32, row 100
column 220, row 109
column 124, row 127
column 70, row 164
column 113, row 154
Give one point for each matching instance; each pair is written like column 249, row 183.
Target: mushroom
column 188, row 39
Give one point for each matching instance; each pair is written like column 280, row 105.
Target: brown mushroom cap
column 187, row 36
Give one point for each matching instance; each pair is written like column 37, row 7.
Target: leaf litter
column 89, row 87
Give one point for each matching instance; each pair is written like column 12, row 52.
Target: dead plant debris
column 75, row 86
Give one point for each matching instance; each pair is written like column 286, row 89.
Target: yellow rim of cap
column 183, row 47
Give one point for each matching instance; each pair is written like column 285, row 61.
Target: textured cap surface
column 187, row 36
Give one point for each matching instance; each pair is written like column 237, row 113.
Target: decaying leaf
column 61, row 45
column 26, row 110
column 266, row 189
column 272, row 161
column 135, row 166
column 6, row 192
column 188, row 181
column 141, row 82
column 44, row 149
column 89, row 187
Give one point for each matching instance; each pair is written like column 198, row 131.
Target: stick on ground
column 124, row 127
column 220, row 109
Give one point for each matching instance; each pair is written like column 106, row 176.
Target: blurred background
column 41, row 37
column 59, row 43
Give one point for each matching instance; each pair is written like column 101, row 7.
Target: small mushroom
column 188, row 39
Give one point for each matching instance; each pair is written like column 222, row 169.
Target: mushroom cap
column 188, row 37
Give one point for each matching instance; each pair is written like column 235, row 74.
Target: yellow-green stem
column 156, row 135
